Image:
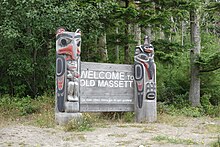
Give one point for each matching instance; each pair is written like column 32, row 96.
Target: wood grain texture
column 96, row 98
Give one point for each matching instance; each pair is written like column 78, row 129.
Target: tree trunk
column 117, row 47
column 148, row 32
column 137, row 28
column 127, row 33
column 137, row 34
column 161, row 33
column 34, row 73
column 127, row 46
column 183, row 30
column 194, row 93
column 102, row 48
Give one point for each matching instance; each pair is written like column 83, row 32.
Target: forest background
column 184, row 33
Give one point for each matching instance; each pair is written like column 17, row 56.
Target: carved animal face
column 68, row 44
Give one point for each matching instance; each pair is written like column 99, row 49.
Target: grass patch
column 173, row 140
column 148, row 129
column 185, row 109
column 117, row 135
column 174, row 120
column 80, row 124
column 130, row 125
column 80, row 137
column 8, row 143
column 216, row 143
column 40, row 112
column 19, row 106
column 37, row 112
column 22, row 144
column 98, row 120
column 45, row 116
column 124, row 143
column 207, row 128
column 118, row 116
column 212, row 128
column 43, row 119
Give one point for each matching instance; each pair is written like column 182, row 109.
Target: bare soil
column 172, row 131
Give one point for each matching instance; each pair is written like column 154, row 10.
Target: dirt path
column 182, row 132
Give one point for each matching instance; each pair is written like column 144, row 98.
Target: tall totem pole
column 68, row 48
column 145, row 82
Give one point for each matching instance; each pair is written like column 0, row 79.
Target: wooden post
column 145, row 83
column 67, row 75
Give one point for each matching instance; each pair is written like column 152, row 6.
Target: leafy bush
column 185, row 110
column 129, row 117
column 192, row 111
column 19, row 106
column 25, row 106
column 38, row 111
column 80, row 124
column 172, row 78
column 208, row 107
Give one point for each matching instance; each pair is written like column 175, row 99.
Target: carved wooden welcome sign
column 106, row 87
column 103, row 87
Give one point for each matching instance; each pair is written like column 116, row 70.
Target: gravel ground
column 186, row 132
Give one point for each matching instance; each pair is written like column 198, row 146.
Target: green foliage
column 112, row 115
column 118, row 116
column 213, row 9
column 28, row 30
column 27, row 59
column 173, row 140
column 37, row 112
column 210, row 86
column 185, row 110
column 167, row 52
column 172, row 72
column 26, row 41
column 80, row 124
column 173, row 82
column 208, row 107
column 128, row 14
column 216, row 144
column 129, row 117
column 44, row 117
column 209, row 44
column 21, row 106
column 192, row 111
column 209, row 63
column 25, row 107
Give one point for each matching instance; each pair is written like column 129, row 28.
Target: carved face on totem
column 148, row 49
column 68, row 44
column 72, row 65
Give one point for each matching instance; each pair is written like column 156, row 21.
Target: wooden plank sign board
column 106, row 87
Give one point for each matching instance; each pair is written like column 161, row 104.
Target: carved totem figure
column 145, row 76
column 68, row 48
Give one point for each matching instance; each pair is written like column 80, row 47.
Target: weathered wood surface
column 106, row 87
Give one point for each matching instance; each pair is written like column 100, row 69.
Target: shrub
column 208, row 107
column 185, row 110
column 80, row 124
column 18, row 106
